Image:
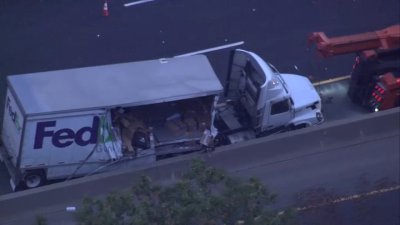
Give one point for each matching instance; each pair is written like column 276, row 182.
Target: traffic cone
column 105, row 9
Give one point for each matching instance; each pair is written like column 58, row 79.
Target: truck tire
column 33, row 179
column 220, row 140
column 297, row 127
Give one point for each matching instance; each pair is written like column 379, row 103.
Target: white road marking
column 137, row 2
column 212, row 49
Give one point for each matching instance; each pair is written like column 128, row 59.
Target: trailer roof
column 124, row 84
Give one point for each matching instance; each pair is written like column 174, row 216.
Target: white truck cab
column 264, row 101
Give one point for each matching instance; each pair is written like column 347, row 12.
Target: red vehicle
column 375, row 78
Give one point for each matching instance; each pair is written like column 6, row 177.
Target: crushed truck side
column 11, row 135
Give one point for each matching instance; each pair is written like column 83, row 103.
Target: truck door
column 279, row 113
column 246, row 83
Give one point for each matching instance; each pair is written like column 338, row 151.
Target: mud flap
column 12, row 184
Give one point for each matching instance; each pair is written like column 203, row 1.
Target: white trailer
column 64, row 123
column 75, row 122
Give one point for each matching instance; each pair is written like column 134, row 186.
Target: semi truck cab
column 259, row 100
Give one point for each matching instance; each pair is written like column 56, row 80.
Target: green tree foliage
column 203, row 196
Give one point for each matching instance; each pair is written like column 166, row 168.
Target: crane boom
column 387, row 38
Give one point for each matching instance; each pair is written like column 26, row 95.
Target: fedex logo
column 65, row 137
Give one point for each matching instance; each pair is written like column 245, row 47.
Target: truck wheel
column 297, row 127
column 33, row 179
column 221, row 140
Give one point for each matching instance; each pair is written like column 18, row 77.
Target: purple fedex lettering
column 65, row 137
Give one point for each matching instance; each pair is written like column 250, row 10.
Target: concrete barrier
column 231, row 158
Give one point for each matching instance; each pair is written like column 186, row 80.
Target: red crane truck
column 375, row 78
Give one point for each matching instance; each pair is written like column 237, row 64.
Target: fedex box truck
column 74, row 122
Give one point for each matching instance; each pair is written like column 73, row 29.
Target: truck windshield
column 278, row 75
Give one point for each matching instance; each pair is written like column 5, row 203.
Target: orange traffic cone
column 105, row 9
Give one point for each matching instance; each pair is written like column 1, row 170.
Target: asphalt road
column 372, row 210
column 344, row 171
column 40, row 35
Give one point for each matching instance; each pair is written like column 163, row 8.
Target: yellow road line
column 331, row 80
column 349, row 198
